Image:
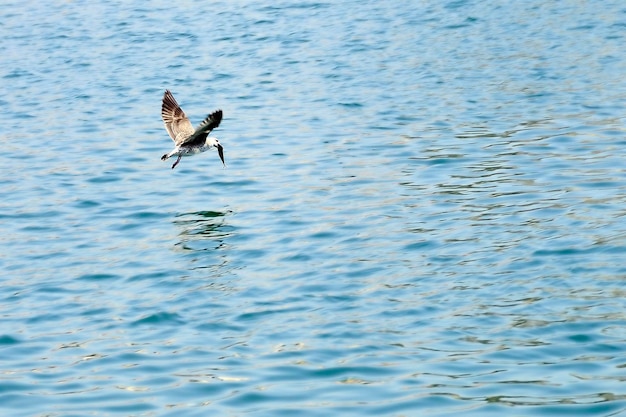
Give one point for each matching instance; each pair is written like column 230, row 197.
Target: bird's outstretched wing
column 176, row 122
column 202, row 131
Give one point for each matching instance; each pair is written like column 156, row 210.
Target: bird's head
column 220, row 148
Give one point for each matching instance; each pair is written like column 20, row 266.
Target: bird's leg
column 177, row 161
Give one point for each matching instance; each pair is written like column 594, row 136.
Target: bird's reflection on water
column 203, row 230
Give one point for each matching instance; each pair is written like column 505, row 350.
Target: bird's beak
column 220, row 151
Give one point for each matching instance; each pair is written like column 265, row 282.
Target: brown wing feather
column 176, row 122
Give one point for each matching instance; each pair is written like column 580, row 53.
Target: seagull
column 187, row 140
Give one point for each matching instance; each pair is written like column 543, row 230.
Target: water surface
column 422, row 211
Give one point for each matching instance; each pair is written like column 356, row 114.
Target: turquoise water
column 423, row 209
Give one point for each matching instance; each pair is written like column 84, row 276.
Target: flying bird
column 187, row 140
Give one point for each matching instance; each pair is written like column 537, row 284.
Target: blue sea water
column 423, row 211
